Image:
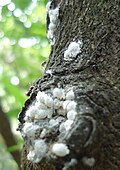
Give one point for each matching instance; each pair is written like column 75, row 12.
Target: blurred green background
column 23, row 48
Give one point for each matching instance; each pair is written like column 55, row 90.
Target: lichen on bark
column 94, row 76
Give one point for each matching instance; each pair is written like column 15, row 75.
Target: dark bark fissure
column 94, row 75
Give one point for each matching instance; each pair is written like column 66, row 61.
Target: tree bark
column 6, row 132
column 94, row 76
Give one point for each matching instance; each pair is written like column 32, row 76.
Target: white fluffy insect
column 40, row 97
column 41, row 114
column 44, row 99
column 57, row 103
column 52, row 26
column 31, row 155
column 65, row 104
column 49, row 34
column 48, row 6
column 69, row 164
column 62, row 128
column 68, row 124
column 65, row 126
column 71, row 106
column 53, row 14
column 51, row 37
column 53, row 122
column 74, row 48
column 29, row 129
column 50, row 113
column 88, row 161
column 31, row 112
column 39, row 105
column 58, row 93
column 40, row 148
column 43, row 133
column 71, row 114
column 70, row 95
column 48, row 101
column 60, row 149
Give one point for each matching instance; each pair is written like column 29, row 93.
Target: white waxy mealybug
column 65, row 104
column 41, row 114
column 31, row 112
column 71, row 114
column 53, row 14
column 58, row 93
column 74, row 48
column 69, row 164
column 52, row 26
column 60, row 149
column 39, row 105
column 40, row 148
column 44, row 98
column 39, row 152
column 49, row 36
column 48, row 6
column 70, row 95
column 31, row 155
column 68, row 124
column 62, row 128
column 71, row 106
column 40, row 96
column 50, row 113
column 57, row 103
column 53, row 122
column 29, row 129
column 48, row 101
column 43, row 133
column 88, row 161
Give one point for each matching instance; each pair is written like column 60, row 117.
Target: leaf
column 13, row 148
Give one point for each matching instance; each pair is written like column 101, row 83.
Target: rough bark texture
column 95, row 76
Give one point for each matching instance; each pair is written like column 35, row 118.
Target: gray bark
column 94, row 76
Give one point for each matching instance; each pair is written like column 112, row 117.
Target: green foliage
column 23, row 47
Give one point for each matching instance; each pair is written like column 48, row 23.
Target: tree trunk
column 6, row 132
column 93, row 75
